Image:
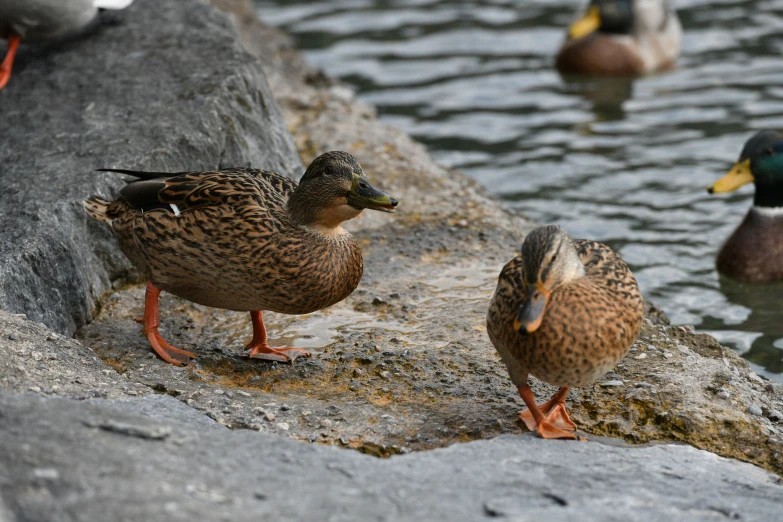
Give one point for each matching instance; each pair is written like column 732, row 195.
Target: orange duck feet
column 555, row 414
column 8, row 62
column 151, row 321
column 167, row 352
column 260, row 349
column 266, row 352
column 549, row 420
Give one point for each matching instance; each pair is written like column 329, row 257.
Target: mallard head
column 549, row 260
column 604, row 16
column 334, row 189
column 760, row 162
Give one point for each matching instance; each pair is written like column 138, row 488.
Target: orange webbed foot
column 547, row 430
column 555, row 414
column 167, row 352
column 266, row 352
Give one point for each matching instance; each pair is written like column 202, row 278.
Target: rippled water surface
column 622, row 162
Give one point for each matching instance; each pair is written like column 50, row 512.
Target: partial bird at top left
column 41, row 20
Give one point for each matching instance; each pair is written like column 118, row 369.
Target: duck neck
column 302, row 208
column 768, row 197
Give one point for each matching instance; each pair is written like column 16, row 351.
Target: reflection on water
column 623, row 162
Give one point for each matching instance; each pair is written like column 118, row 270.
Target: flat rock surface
column 97, row 460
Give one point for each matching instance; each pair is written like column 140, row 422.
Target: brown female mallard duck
column 565, row 311
column 621, row 38
column 243, row 239
column 754, row 252
column 39, row 20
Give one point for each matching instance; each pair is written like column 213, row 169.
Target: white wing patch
column 175, row 209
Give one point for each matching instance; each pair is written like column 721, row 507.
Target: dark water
column 623, row 162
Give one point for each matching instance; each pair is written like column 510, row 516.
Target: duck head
column 761, row 163
column 334, row 189
column 605, row 16
column 549, row 261
column 620, row 17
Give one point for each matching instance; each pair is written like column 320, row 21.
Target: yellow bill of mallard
column 586, row 25
column 739, row 175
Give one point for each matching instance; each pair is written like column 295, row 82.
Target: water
column 623, row 162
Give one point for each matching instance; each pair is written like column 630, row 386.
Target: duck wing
column 191, row 190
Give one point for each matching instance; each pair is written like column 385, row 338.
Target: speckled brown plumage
column 588, row 325
column 234, row 223
column 246, row 239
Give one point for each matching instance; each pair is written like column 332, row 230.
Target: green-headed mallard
column 37, row 20
column 621, row 38
column 244, row 239
column 754, row 252
column 565, row 311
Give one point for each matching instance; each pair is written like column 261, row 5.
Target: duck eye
column 554, row 257
column 770, row 152
column 328, row 170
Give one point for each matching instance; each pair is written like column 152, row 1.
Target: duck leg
column 554, row 424
column 260, row 349
column 8, row 61
column 554, row 411
column 151, row 321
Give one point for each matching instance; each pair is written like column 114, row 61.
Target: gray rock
column 165, row 87
column 774, row 415
column 244, row 475
column 609, row 384
column 754, row 409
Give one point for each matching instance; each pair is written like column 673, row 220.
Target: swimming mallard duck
column 754, row 252
column 621, row 38
column 565, row 311
column 243, row 239
column 37, row 20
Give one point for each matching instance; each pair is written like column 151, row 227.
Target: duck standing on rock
column 243, row 239
column 621, row 38
column 754, row 252
column 565, row 311
column 39, row 20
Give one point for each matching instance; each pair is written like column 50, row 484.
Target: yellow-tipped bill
column 531, row 313
column 588, row 24
column 363, row 195
column 738, row 175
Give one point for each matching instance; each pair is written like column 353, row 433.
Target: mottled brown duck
column 621, row 38
column 243, row 239
column 754, row 252
column 565, row 311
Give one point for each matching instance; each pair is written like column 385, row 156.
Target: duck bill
column 738, row 175
column 363, row 195
column 586, row 25
column 531, row 313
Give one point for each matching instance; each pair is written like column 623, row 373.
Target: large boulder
column 163, row 86
column 153, row 459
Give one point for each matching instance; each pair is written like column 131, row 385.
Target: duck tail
column 97, row 208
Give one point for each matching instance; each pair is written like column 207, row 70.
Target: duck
column 754, row 252
column 565, row 311
column 243, row 239
column 41, row 20
column 621, row 38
